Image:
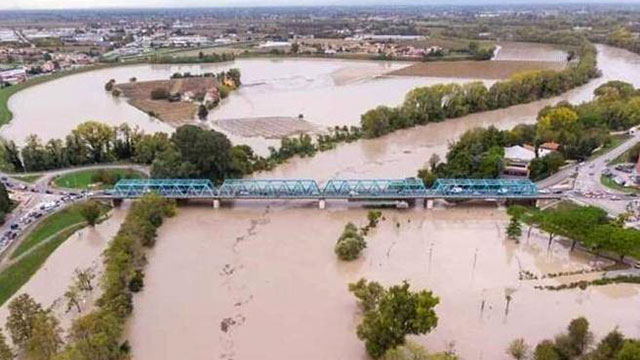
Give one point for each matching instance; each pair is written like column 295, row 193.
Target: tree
column 5, row 202
column 84, row 279
column 630, row 351
column 73, row 297
column 95, row 336
column 579, row 335
column 20, row 322
column 368, row 293
column 434, row 160
column 546, row 350
column 96, row 138
column 399, row 312
column 518, row 349
column 5, row 351
column 373, row 216
column 208, row 150
column 514, row 230
column 350, row 243
column 46, row 340
column 91, row 211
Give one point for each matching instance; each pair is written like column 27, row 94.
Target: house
column 517, row 159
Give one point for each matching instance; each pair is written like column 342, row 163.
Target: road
column 33, row 197
column 587, row 181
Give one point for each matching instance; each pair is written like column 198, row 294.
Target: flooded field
column 284, row 295
column 498, row 69
column 510, row 51
column 327, row 92
column 270, row 275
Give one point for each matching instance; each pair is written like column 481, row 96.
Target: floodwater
column 270, row 278
column 81, row 251
column 327, row 92
column 284, row 294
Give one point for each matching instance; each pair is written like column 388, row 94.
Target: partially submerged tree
column 393, row 314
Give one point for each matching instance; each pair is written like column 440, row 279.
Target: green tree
column 74, row 298
column 518, row 349
column 399, row 312
column 23, row 311
column 546, row 350
column 630, row 351
column 84, row 279
column 91, row 211
column 514, row 230
column 97, row 138
column 350, row 243
column 46, row 340
column 95, row 336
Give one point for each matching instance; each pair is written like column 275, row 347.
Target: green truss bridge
column 335, row 189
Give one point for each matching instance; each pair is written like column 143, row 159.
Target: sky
column 88, row 4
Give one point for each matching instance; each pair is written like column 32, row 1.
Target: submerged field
column 498, row 69
column 261, row 269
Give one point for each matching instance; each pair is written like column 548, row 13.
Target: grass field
column 47, row 227
column 608, row 182
column 27, row 178
column 16, row 275
column 83, row 179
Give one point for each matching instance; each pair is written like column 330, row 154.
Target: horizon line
column 439, row 3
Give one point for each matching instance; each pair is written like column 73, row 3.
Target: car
column 591, row 173
column 615, row 198
column 49, row 191
column 14, row 226
column 637, row 265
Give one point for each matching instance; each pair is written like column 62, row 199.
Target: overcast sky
column 67, row 4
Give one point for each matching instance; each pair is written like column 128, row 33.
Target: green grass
column 16, row 275
column 608, row 182
column 84, row 178
column 27, row 178
column 47, row 227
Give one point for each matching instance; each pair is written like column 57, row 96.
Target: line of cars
column 49, row 203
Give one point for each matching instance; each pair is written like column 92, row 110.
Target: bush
column 159, row 94
column 350, row 244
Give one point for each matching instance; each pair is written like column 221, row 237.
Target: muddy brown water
column 251, row 282
column 270, row 278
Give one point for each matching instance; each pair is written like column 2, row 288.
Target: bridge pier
column 116, row 202
column 216, row 203
column 429, row 204
column 322, row 204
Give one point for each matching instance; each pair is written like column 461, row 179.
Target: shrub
column 159, row 94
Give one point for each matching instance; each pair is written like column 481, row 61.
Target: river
column 271, row 275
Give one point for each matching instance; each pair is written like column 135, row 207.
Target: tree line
column 577, row 343
column 588, row 226
column 577, row 129
column 200, row 59
column 35, row 332
column 443, row 101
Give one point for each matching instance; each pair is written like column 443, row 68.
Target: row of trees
column 97, row 335
column 201, row 58
column 577, row 343
column 442, row 101
column 588, row 226
column 577, row 129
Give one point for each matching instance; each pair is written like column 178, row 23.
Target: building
column 517, row 159
column 13, row 76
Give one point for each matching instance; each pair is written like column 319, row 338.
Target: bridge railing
column 335, row 188
column 250, row 188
